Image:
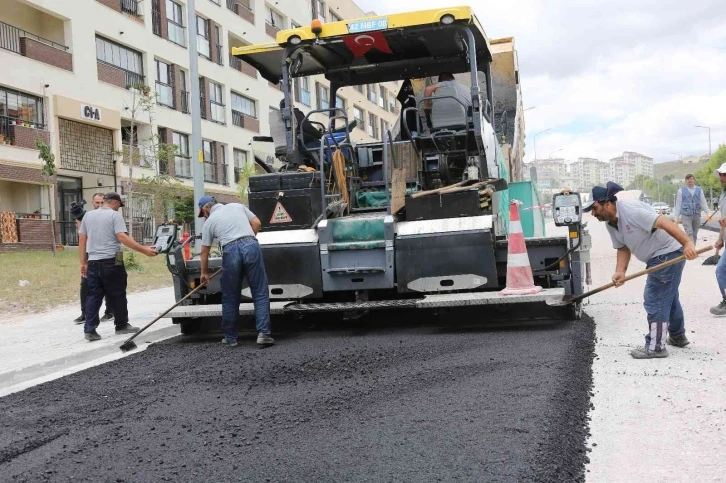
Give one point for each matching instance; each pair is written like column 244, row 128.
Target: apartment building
column 625, row 168
column 589, row 172
column 550, row 173
column 68, row 77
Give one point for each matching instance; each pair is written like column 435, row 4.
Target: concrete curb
column 64, row 365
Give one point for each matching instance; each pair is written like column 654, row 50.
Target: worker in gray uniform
column 635, row 229
column 720, row 309
column 236, row 227
column 690, row 201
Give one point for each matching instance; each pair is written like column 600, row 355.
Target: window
column 303, row 90
column 392, row 104
column 340, row 102
column 321, row 10
column 126, row 59
column 220, row 45
column 383, row 97
column 372, row 125
column 334, row 17
column 273, row 18
column 372, row 95
column 203, row 44
column 225, row 167
column 18, row 107
column 384, row 127
column 184, row 91
column 182, row 162
column 164, row 93
column 175, row 23
column 216, row 100
column 323, row 97
column 240, row 161
column 358, row 115
column 210, row 162
column 242, row 106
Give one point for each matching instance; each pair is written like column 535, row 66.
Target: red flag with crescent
column 360, row 44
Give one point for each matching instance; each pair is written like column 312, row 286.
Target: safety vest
column 690, row 203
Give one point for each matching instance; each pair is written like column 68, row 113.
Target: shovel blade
column 560, row 302
column 128, row 346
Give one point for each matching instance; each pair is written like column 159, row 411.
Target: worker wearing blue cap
column 236, row 227
column 635, row 228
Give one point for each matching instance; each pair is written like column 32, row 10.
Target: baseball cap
column 112, row 196
column 602, row 194
column 721, row 169
column 203, row 201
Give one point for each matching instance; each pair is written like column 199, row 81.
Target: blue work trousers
column 105, row 278
column 721, row 275
column 662, row 303
column 240, row 259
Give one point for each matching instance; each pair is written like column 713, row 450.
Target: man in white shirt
column 720, row 309
column 690, row 201
column 636, row 229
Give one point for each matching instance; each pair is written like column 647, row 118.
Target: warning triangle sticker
column 280, row 214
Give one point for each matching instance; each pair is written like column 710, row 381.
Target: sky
column 607, row 76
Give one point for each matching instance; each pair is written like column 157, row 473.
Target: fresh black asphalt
column 391, row 404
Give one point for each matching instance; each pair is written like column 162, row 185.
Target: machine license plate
column 367, row 25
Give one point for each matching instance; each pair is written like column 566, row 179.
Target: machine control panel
column 164, row 238
column 567, row 209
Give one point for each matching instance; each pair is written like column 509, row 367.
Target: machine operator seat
column 447, row 113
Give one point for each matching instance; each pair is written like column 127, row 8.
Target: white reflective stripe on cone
column 518, row 260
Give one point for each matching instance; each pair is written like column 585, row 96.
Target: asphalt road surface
column 384, row 404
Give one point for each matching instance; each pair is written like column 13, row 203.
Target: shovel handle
column 640, row 274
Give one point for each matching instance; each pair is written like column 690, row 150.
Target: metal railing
column 32, row 216
column 6, row 122
column 164, row 94
column 132, row 7
column 10, row 39
column 177, row 33
column 185, row 102
column 68, row 233
column 210, row 172
column 238, row 118
column 132, row 78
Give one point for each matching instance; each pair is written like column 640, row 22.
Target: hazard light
column 316, row 26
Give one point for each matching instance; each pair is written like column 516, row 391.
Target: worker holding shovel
column 720, row 309
column 635, row 229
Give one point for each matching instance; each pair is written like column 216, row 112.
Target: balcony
column 241, row 66
column 32, row 46
column 117, row 76
column 241, row 9
column 134, row 9
column 21, row 133
column 23, row 225
column 244, row 121
column 271, row 30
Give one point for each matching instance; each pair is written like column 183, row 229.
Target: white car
column 661, row 208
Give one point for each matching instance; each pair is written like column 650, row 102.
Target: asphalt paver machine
column 417, row 220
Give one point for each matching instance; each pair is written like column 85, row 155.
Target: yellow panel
column 255, row 49
column 398, row 20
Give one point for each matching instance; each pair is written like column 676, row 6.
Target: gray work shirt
column 636, row 231
column 226, row 223
column 463, row 93
column 102, row 226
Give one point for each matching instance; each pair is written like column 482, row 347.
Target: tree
column 244, row 181
column 48, row 169
column 706, row 178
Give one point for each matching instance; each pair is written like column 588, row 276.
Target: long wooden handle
column 639, row 274
column 173, row 306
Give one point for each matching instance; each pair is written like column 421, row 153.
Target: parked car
column 661, row 208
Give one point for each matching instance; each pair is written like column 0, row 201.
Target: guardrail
column 10, row 36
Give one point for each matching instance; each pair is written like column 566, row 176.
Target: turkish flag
column 360, row 44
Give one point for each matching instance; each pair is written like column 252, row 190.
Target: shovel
column 131, row 345
column 713, row 259
column 571, row 299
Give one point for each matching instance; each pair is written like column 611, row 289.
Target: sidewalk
column 662, row 419
column 40, row 347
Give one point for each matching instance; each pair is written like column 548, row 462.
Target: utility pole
column 709, row 140
column 197, row 158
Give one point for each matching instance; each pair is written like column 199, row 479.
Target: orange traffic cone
column 520, row 280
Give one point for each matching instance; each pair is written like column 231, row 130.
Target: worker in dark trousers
column 636, row 229
column 236, row 227
column 720, row 309
column 101, row 234
column 77, row 213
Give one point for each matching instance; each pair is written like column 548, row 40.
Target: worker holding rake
column 635, row 229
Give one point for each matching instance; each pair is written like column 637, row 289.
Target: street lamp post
column 553, row 152
column 535, row 141
column 709, row 139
